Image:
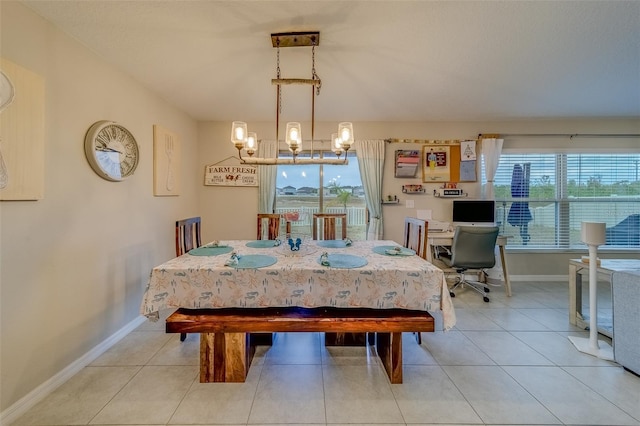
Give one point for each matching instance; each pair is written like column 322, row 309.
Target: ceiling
column 378, row 60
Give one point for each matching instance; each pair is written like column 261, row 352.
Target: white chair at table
column 473, row 248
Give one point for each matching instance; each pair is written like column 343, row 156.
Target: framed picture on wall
column 436, row 163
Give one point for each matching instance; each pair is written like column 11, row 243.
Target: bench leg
column 389, row 348
column 345, row 339
column 225, row 357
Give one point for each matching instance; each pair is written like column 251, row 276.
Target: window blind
column 542, row 199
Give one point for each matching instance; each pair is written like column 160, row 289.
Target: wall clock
column 111, row 150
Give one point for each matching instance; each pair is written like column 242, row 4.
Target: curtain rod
column 521, row 135
column 568, row 135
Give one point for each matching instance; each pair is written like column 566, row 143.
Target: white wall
column 74, row 264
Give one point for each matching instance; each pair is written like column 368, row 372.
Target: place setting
column 342, row 261
column 264, row 243
column 346, row 242
column 214, row 248
column 250, row 261
column 393, row 251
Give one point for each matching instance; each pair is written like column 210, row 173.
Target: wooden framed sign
column 230, row 175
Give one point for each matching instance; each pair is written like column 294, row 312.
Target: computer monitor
column 474, row 213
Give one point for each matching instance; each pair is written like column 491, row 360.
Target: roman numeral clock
column 111, row 150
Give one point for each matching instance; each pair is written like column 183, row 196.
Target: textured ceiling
column 378, row 60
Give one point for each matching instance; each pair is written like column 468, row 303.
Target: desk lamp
column 593, row 234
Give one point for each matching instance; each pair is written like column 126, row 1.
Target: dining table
column 377, row 274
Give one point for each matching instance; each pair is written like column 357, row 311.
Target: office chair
column 473, row 248
column 187, row 238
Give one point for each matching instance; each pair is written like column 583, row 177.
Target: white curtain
column 491, row 150
column 267, row 178
column 370, row 155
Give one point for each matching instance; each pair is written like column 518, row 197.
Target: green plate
column 345, row 261
column 210, row 251
column 391, row 251
column 332, row 243
column 253, row 261
column 261, row 243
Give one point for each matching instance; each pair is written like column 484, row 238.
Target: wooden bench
column 226, row 349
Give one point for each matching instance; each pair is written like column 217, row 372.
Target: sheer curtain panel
column 267, row 178
column 491, row 150
column 370, row 155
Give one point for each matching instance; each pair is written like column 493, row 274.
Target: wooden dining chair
column 328, row 223
column 415, row 235
column 187, row 235
column 187, row 238
column 269, row 224
column 415, row 238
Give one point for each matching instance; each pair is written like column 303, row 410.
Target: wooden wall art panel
column 22, row 135
column 166, row 162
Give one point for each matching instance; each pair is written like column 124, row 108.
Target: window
column 308, row 189
column 542, row 199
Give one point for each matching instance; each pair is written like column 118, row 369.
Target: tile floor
column 507, row 362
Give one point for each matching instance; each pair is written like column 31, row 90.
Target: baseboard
column 21, row 406
column 563, row 278
column 545, row 278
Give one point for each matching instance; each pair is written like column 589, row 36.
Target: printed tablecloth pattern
column 386, row 282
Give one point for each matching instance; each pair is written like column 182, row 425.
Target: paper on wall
column 423, row 214
column 467, row 150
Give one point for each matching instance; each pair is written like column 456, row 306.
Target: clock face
column 111, row 150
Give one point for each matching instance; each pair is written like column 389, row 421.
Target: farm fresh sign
column 240, row 175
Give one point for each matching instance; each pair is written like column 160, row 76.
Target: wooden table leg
column 389, row 348
column 505, row 272
column 225, row 357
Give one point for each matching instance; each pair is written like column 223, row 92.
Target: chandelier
column 248, row 141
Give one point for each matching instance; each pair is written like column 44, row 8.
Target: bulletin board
column 441, row 160
column 449, row 162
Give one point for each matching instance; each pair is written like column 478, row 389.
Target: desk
column 605, row 270
column 446, row 239
column 204, row 282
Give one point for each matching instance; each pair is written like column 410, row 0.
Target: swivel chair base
column 474, row 285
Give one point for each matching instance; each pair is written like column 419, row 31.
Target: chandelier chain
column 249, row 142
column 278, row 76
column 314, row 75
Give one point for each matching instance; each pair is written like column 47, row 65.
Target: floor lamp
column 593, row 234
